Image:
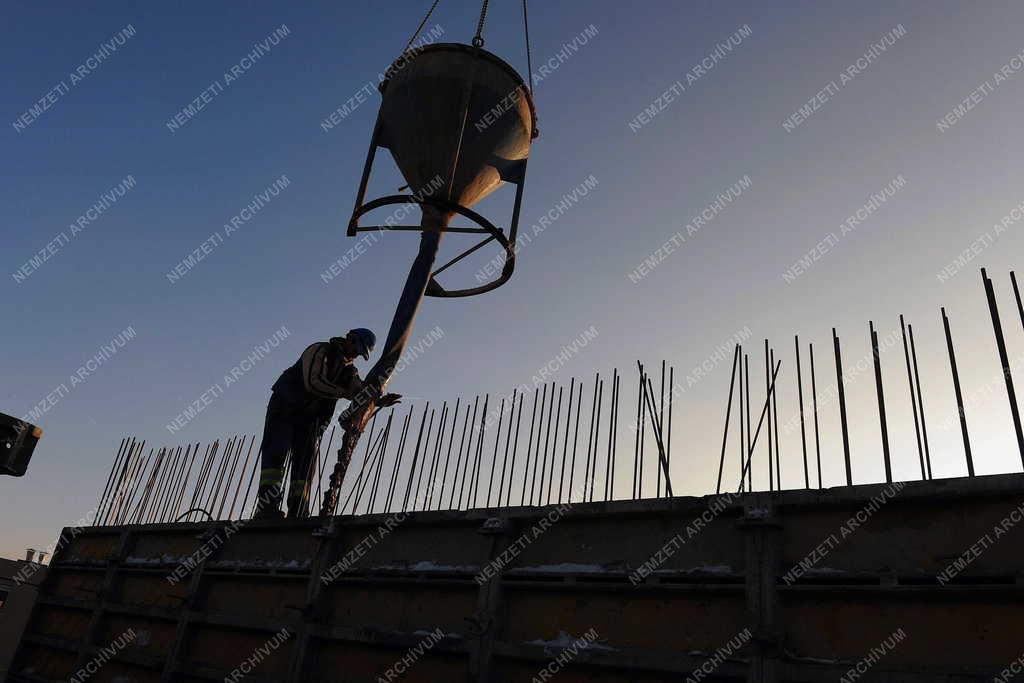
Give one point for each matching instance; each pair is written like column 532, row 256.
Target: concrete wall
column 794, row 586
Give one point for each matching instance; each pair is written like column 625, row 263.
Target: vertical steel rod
column 760, row 422
column 661, row 416
column 1016, row 295
column 134, row 478
column 575, row 441
column 547, row 441
column 814, row 400
column 800, row 394
column 728, row 414
column 199, row 479
column 176, row 504
column 611, row 434
column 229, row 480
column 590, row 439
column 164, row 472
column 767, row 384
column 117, row 493
column 110, row 478
column 252, row 476
column 458, row 458
column 636, row 442
column 172, row 488
column 742, row 426
column 424, row 465
column 671, row 392
column 415, row 455
column 775, row 425
column 920, row 401
column 494, row 459
column 508, row 441
column 515, row 449
column 529, row 445
column 469, row 450
column 597, row 439
column 536, row 447
column 842, row 406
column 436, row 464
column 393, row 483
column 554, row 447
column 1004, row 359
column 659, row 439
column 959, row 395
column 750, row 441
column 480, row 449
column 565, row 446
column 451, row 440
column 321, row 463
column 881, row 402
column 913, row 399
column 643, row 431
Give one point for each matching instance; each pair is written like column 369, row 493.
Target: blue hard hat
column 365, row 340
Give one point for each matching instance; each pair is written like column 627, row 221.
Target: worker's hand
column 388, row 400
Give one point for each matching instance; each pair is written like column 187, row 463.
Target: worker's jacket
column 310, row 388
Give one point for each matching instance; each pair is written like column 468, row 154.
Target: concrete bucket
column 455, row 116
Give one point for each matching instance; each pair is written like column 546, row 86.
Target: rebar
column 760, row 422
column 883, row 423
column 1011, row 394
column 728, row 412
column 814, row 399
column 842, row 406
column 920, row 401
column 913, row 398
column 959, row 395
column 800, row 394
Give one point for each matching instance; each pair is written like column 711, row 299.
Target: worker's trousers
column 295, row 435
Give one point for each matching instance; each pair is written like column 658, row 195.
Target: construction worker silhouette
column 300, row 407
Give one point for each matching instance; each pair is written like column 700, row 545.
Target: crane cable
column 478, row 39
column 422, row 24
column 529, row 53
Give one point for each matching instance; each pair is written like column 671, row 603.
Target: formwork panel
column 347, row 662
column 168, row 547
column 578, row 671
column 138, row 634
column 918, row 537
column 446, row 547
column 148, row 589
column 410, row 606
column 44, row 662
column 672, row 542
column 76, row 585
column 89, row 548
column 629, row 618
column 242, row 595
column 277, row 547
column 123, row 672
column 60, row 622
column 940, row 631
column 226, row 649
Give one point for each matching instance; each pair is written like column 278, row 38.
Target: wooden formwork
column 791, row 586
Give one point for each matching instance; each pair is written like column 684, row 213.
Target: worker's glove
column 388, row 400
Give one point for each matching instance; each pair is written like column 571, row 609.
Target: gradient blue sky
column 651, row 182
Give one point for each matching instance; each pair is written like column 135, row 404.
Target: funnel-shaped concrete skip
column 455, row 116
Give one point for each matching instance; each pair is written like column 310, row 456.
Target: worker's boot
column 298, row 499
column 268, row 501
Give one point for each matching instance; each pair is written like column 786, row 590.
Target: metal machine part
column 18, row 440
